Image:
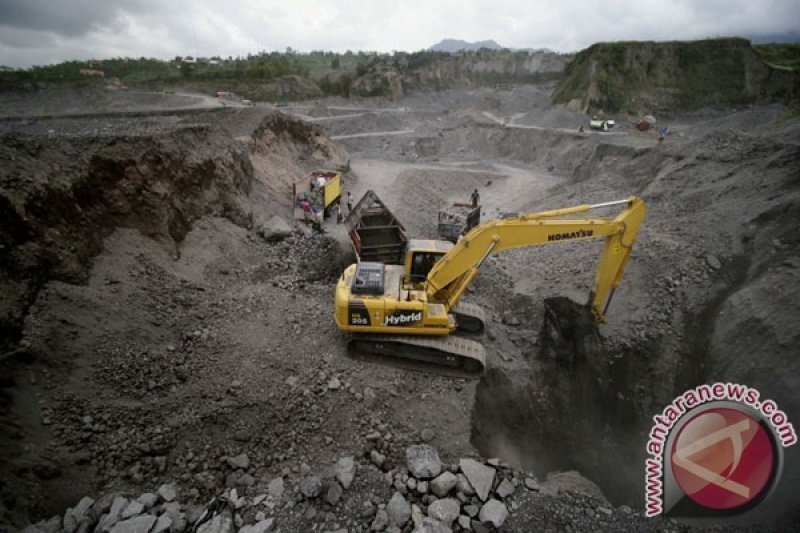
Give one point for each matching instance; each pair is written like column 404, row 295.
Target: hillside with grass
column 298, row 76
column 665, row 77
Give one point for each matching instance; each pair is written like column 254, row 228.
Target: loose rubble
column 347, row 497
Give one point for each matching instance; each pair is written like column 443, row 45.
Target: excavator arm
column 452, row 274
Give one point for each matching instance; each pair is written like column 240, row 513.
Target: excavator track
column 450, row 356
column 470, row 317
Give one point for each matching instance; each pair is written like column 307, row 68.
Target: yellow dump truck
column 322, row 190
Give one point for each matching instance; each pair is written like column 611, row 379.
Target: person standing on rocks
column 349, row 202
column 476, row 198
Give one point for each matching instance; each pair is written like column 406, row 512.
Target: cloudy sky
column 36, row 32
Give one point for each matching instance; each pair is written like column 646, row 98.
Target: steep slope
column 658, row 77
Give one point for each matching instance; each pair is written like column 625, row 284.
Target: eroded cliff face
column 61, row 195
column 657, row 77
column 470, row 70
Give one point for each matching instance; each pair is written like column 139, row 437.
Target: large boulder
column 399, row 510
column 423, row 461
column 494, row 512
column 445, row 510
column 275, row 229
column 480, row 476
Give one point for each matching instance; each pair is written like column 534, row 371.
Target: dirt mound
column 132, row 200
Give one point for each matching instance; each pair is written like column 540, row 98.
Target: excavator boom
column 452, row 274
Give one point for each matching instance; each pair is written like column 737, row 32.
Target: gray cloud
column 41, row 31
column 72, row 18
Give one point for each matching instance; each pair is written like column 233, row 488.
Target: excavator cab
column 420, row 257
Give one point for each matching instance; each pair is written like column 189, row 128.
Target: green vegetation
column 250, row 76
column 666, row 76
column 785, row 56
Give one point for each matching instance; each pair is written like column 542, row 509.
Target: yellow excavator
column 404, row 315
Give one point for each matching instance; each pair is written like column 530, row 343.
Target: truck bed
column 375, row 232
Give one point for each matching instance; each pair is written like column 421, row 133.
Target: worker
column 307, row 211
column 349, row 202
column 339, row 217
column 476, row 198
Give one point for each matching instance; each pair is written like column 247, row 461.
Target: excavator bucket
column 569, row 332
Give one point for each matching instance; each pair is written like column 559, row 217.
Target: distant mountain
column 456, row 45
column 534, row 50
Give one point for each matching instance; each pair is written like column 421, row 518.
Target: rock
column 531, row 483
column 241, row 461
column 427, row 435
column 74, row 516
column 311, row 486
column 571, row 480
column 137, row 524
column 148, row 499
column 463, row 486
column 334, row 493
column 164, row 523
column 480, row 476
column 416, row 515
column 370, row 398
column 345, row 471
column 445, row 510
column 477, row 527
column 377, row 458
column 221, row 523
column 168, row 491
column 443, row 484
column 398, row 510
column 380, row 522
column 464, row 522
column 510, row 318
column 431, row 525
column 494, row 512
column 194, row 512
column 275, row 487
column 422, row 487
column 423, row 461
column 504, row 489
column 134, row 508
column 274, row 230
column 471, row 510
column 713, row 262
column 114, row 514
column 367, row 509
column 334, row 383
column 262, row 526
